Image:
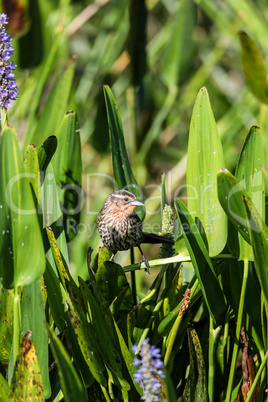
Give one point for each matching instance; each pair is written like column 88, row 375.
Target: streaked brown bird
column 120, row 228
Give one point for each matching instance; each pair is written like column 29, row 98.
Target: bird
column 120, row 227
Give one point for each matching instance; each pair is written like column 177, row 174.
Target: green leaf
column 205, row 158
column 87, row 341
column 204, row 270
column 259, row 240
column 123, row 174
column 230, row 194
column 6, row 322
column 33, row 319
column 111, row 280
column 52, row 217
column 31, row 166
column 72, row 387
column 196, row 386
column 55, row 106
column 46, row 151
column 5, row 391
column 67, row 165
column 254, row 68
column 31, row 43
column 105, row 332
column 27, row 381
column 21, row 245
column 250, row 176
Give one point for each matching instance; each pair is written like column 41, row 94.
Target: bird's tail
column 155, row 239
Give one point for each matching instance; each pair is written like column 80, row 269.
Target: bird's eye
column 126, row 199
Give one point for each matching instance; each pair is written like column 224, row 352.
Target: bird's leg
column 145, row 261
column 112, row 257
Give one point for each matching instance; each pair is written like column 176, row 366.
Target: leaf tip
column 69, row 112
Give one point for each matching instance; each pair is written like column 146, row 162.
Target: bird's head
column 123, row 201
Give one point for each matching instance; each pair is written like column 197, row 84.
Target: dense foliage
column 110, row 94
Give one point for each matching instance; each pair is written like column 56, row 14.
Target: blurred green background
column 155, row 56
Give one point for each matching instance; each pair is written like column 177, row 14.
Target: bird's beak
column 137, row 203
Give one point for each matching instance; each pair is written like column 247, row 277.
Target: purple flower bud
column 8, row 87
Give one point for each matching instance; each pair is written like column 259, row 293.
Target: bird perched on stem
column 120, row 228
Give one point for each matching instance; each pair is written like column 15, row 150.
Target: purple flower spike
column 8, row 87
column 149, row 371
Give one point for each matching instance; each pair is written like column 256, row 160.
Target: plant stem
column 175, row 328
column 17, row 324
column 213, row 336
column 133, row 278
column 237, row 334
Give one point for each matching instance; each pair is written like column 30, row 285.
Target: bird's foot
column 146, row 264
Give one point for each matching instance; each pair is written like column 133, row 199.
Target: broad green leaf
column 87, row 342
column 21, row 245
column 250, row 176
column 46, row 151
column 259, row 240
column 196, row 386
column 205, row 158
column 230, row 194
column 254, row 68
column 111, row 279
column 33, row 319
column 72, row 387
column 204, row 270
column 55, row 106
column 27, row 381
column 67, row 165
column 6, row 322
column 105, row 332
column 123, row 174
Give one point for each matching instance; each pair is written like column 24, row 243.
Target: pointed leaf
column 254, row 68
column 123, row 174
column 21, row 245
column 205, row 158
column 27, row 381
column 46, row 151
column 196, row 387
column 67, row 165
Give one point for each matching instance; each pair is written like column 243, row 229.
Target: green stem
column 175, row 328
column 3, row 118
column 105, row 393
column 17, row 324
column 213, row 336
column 133, row 278
column 237, row 334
